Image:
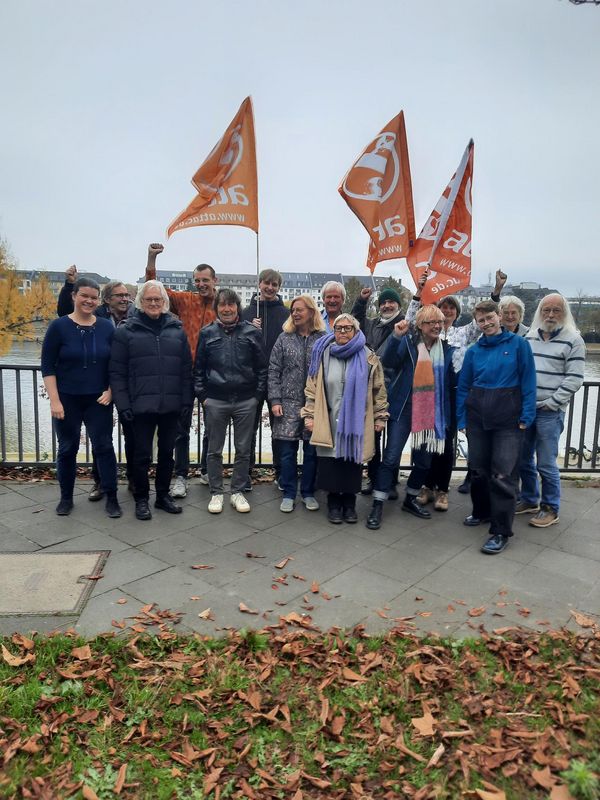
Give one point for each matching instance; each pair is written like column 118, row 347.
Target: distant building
column 56, row 279
column 294, row 283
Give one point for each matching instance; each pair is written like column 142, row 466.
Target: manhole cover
column 48, row 583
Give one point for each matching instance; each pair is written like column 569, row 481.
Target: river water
column 28, row 353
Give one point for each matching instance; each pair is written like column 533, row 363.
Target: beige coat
column 376, row 410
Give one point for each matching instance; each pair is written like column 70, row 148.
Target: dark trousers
column 374, row 463
column 288, row 475
column 494, row 456
column 98, row 420
column 440, row 471
column 274, row 442
column 480, row 497
column 128, row 440
column 341, row 500
column 144, row 426
column 421, row 459
column 182, row 445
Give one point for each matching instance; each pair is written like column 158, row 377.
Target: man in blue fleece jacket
column 495, row 402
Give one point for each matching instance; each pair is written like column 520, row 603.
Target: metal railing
column 27, row 436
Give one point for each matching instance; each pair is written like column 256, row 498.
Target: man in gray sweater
column 559, row 354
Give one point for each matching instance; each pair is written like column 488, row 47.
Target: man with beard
column 230, row 380
column 195, row 310
column 376, row 333
column 559, row 355
column 333, row 295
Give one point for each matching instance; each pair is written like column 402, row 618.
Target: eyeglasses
column 343, row 328
column 552, row 310
column 431, row 322
column 122, row 295
column 153, row 301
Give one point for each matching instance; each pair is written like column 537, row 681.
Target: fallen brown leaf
column 314, row 587
column 477, row 612
column 202, row 566
column 16, row 661
column 582, row 619
column 424, row 724
column 281, row 564
column 206, row 614
column 120, row 782
column 245, row 610
column 83, row 653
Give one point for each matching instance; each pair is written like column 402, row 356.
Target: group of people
column 332, row 381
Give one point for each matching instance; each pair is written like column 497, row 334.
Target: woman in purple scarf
column 346, row 403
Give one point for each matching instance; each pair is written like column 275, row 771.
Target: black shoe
column 465, row 486
column 96, row 493
column 472, row 521
column 335, row 516
column 350, row 515
column 142, row 510
column 113, row 509
column 64, row 508
column 374, row 519
column 393, row 493
column 167, row 505
column 495, row 544
column 412, row 507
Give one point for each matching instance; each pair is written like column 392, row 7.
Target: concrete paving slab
column 364, row 587
column 437, row 559
column 28, row 624
column 130, row 565
column 101, row 610
column 12, row 542
column 47, row 583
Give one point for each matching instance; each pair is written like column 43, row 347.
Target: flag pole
column 257, row 278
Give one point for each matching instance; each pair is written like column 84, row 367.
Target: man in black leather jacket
column 230, row 380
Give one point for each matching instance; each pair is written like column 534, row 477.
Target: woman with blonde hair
column 288, row 371
column 420, row 398
column 346, row 404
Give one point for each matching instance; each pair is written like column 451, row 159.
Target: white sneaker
column 179, row 488
column 216, row 504
column 203, row 478
column 311, row 503
column 287, row 505
column 239, row 502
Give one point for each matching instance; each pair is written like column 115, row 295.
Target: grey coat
column 288, row 370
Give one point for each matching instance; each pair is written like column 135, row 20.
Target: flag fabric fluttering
column 227, row 181
column 378, row 189
column 444, row 244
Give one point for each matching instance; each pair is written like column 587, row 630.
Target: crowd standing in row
column 331, row 380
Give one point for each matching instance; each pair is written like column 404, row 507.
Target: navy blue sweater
column 78, row 355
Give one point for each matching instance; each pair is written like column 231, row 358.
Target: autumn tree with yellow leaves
column 20, row 309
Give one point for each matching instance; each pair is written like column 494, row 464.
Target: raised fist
column 366, row 292
column 155, row 249
column 401, row 328
column 71, row 273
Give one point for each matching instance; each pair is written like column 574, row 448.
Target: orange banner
column 227, row 182
column 444, row 244
column 378, row 190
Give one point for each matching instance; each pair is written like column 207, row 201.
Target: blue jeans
column 398, row 431
column 288, row 475
column 98, row 421
column 539, row 455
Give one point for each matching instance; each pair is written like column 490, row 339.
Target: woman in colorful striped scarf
column 420, row 405
column 346, row 404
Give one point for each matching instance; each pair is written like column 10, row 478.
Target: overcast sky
column 109, row 108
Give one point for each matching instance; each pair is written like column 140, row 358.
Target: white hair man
column 559, row 354
column 333, row 295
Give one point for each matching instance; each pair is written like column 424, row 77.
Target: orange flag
column 227, row 183
column 444, row 244
column 378, row 189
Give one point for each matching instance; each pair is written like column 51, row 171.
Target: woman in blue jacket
column 495, row 402
column 419, row 395
column 75, row 356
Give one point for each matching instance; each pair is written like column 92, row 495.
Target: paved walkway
column 426, row 574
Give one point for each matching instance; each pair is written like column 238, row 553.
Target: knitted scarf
column 351, row 421
column 428, row 424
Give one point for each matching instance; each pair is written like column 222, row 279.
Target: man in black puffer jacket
column 268, row 313
column 151, row 381
column 230, row 380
